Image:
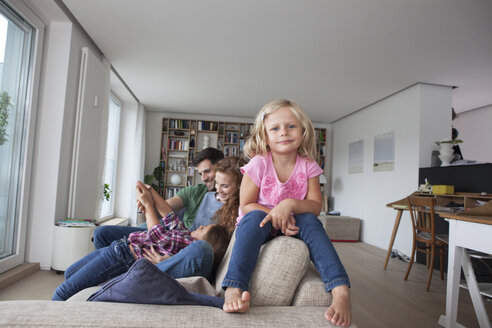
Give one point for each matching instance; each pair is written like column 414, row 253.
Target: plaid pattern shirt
column 167, row 239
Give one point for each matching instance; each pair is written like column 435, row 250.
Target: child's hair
column 218, row 237
column 257, row 142
column 226, row 215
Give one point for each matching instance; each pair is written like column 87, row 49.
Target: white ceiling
column 230, row 57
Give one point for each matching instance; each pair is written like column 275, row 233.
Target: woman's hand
column 154, row 256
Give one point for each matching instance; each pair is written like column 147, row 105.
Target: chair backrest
column 422, row 213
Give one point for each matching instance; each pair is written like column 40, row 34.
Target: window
column 16, row 49
column 110, row 160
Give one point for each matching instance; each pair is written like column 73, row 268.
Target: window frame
column 110, row 214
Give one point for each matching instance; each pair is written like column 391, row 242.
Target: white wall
column 54, row 129
column 475, row 130
column 419, row 115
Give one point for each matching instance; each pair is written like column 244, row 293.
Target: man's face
column 206, row 170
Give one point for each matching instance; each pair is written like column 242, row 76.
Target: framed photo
column 384, row 152
column 356, row 157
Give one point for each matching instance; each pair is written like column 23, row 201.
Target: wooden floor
column 380, row 298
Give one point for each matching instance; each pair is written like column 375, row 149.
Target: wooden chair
column 422, row 214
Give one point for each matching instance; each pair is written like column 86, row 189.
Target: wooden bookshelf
column 181, row 139
column 320, row 139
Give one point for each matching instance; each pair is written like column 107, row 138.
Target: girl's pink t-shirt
column 261, row 170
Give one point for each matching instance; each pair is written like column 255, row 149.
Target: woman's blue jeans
column 250, row 237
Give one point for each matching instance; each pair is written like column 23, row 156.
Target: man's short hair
column 212, row 154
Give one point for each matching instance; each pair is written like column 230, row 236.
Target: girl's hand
column 282, row 219
column 143, row 195
column 154, row 256
column 141, row 207
column 292, row 229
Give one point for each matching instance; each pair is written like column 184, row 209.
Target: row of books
column 76, row 223
column 207, row 126
column 320, row 136
column 232, row 137
column 171, row 192
column 230, row 151
column 179, row 124
column 177, row 144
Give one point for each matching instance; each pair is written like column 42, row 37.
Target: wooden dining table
column 465, row 232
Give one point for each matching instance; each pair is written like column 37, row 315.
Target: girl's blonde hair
column 257, row 141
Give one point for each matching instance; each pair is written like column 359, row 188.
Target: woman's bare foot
column 236, row 300
column 340, row 311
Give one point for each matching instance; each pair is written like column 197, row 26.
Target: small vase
column 446, row 159
column 446, row 148
column 446, row 153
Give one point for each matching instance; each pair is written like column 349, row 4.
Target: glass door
column 15, row 50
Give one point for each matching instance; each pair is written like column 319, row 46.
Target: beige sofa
column 286, row 291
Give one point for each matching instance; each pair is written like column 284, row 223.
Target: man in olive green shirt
column 188, row 198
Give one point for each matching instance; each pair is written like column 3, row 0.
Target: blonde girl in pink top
column 280, row 195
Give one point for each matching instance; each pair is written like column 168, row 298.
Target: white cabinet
column 70, row 244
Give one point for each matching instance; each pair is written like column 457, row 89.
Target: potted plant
column 5, row 105
column 156, row 175
column 106, row 192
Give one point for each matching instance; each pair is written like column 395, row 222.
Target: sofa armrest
column 281, row 265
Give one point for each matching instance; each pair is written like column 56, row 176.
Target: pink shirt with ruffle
column 261, row 170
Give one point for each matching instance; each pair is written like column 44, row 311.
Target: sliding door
column 17, row 49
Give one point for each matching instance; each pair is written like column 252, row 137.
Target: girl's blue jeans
column 250, row 237
column 115, row 259
column 95, row 268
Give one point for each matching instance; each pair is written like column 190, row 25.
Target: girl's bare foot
column 340, row 311
column 236, row 300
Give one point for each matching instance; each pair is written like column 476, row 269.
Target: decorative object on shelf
column 182, row 165
column 175, row 179
column 206, row 141
column 179, row 133
column 425, row 188
column 446, row 150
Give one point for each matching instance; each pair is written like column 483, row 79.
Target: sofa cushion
column 311, row 290
column 280, row 267
column 144, row 283
column 121, row 315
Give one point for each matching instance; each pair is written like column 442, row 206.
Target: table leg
column 471, row 281
column 454, row 271
column 393, row 235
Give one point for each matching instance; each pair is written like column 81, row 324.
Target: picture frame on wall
column 356, row 157
column 384, row 152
